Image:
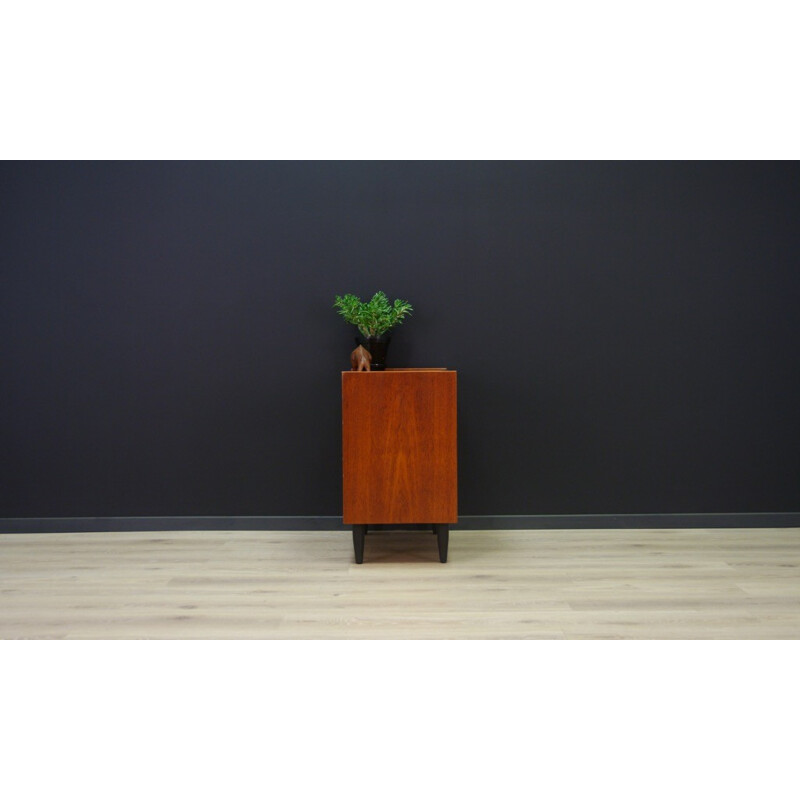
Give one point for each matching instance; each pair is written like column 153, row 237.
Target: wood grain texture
column 566, row 584
column 399, row 449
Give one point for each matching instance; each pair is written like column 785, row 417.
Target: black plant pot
column 377, row 346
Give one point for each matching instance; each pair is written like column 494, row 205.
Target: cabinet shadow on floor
column 400, row 547
column 408, row 547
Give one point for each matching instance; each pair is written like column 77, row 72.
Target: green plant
column 375, row 317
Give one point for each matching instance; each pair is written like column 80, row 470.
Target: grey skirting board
column 534, row 522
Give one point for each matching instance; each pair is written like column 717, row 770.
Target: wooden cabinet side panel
column 399, row 448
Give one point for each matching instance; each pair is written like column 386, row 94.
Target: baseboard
column 500, row 522
column 607, row 521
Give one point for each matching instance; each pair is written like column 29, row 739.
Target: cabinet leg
column 358, row 542
column 443, row 535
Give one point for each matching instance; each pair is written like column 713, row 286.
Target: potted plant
column 374, row 321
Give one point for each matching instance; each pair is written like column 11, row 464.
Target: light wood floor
column 631, row 584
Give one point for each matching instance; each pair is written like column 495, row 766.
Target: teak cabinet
column 399, row 451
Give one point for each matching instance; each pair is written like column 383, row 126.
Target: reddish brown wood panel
column 399, row 447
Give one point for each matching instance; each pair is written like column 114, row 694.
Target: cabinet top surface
column 398, row 369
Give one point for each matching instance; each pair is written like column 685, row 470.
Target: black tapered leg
column 443, row 535
column 359, row 532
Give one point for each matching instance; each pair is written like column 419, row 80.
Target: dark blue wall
column 626, row 334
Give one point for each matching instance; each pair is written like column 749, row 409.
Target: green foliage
column 375, row 317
